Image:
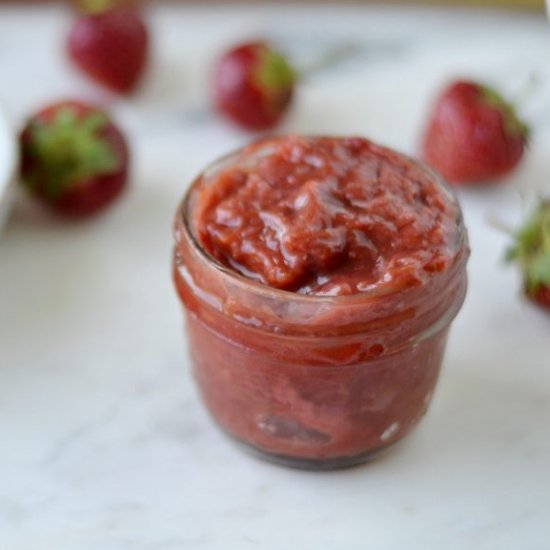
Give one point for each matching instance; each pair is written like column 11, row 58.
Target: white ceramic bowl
column 8, row 163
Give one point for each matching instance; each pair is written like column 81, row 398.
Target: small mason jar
column 316, row 382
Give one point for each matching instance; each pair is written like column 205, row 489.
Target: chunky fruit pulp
column 350, row 370
column 326, row 216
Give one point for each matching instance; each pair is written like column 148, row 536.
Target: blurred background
column 521, row 4
column 104, row 442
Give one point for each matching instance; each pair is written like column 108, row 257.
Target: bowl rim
column 9, row 154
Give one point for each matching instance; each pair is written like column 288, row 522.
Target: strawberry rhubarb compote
column 320, row 276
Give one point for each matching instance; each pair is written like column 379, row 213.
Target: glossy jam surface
column 326, row 216
column 373, row 251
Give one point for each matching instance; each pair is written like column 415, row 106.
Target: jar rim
column 266, row 291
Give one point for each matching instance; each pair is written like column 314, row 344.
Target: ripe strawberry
column 111, row 46
column 253, row 85
column 73, row 158
column 532, row 251
column 473, row 135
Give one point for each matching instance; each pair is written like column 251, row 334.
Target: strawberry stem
column 528, row 89
column 501, row 227
column 329, row 58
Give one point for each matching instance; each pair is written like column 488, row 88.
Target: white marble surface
column 104, row 444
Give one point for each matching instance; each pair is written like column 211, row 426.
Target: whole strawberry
column 74, row 158
column 110, row 44
column 253, row 85
column 531, row 251
column 474, row 135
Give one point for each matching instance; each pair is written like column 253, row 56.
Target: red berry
column 541, row 296
column 253, row 85
column 473, row 135
column 74, row 158
column 111, row 47
column 531, row 251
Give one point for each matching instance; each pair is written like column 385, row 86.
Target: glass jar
column 315, row 382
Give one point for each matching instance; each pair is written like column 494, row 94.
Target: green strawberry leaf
column 538, row 271
column 532, row 248
column 69, row 150
column 274, row 74
column 96, row 7
column 513, row 125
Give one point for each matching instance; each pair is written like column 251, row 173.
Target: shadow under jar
column 332, row 366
